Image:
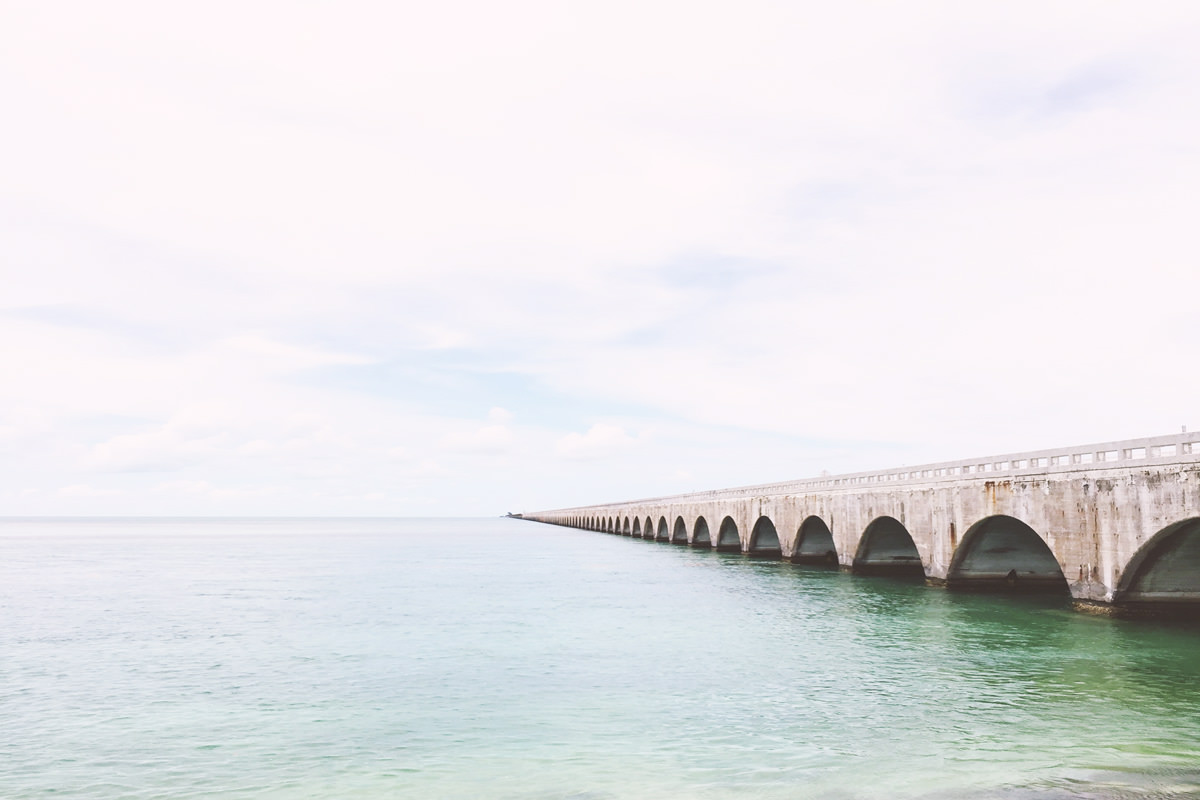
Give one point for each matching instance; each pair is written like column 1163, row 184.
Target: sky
column 466, row 258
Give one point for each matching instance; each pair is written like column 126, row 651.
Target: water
column 506, row 659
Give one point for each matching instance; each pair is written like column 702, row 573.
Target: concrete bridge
column 1116, row 523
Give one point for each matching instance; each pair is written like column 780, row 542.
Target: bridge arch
column 1003, row 553
column 700, row 535
column 664, row 533
column 648, row 529
column 625, row 528
column 728, row 540
column 679, row 532
column 814, row 543
column 637, row 528
column 764, row 539
column 1165, row 571
column 613, row 525
column 887, row 548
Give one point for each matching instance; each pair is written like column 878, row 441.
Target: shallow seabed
column 505, row 659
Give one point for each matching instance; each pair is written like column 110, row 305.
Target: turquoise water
column 507, row 659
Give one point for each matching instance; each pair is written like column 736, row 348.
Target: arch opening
column 637, row 528
column 700, row 537
column 648, row 529
column 887, row 548
column 679, row 533
column 728, row 540
column 612, row 525
column 625, row 528
column 1164, row 574
column 764, row 539
column 663, row 534
column 1003, row 554
column 814, row 544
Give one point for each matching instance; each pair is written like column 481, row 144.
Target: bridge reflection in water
column 1115, row 524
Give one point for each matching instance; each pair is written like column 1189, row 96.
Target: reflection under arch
column 814, row 543
column 1002, row 553
column 728, row 540
column 1164, row 574
column 679, row 533
column 887, row 548
column 764, row 539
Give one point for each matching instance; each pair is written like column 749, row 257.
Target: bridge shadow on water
column 1035, row 608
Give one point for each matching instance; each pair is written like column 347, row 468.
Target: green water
column 506, row 659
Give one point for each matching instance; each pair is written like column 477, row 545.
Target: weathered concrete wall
column 1096, row 508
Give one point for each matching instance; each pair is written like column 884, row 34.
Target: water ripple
column 463, row 659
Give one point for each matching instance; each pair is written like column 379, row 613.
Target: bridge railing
column 1153, row 451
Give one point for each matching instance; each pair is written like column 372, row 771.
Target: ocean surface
column 499, row 658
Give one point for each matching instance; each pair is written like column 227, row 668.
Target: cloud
column 213, row 492
column 488, row 440
column 600, row 441
column 80, row 490
column 500, row 416
column 162, row 449
column 275, row 355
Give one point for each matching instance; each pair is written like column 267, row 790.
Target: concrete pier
column 1114, row 523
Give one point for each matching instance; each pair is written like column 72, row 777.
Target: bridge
column 1116, row 524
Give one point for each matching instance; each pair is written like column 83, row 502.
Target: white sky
column 466, row 258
